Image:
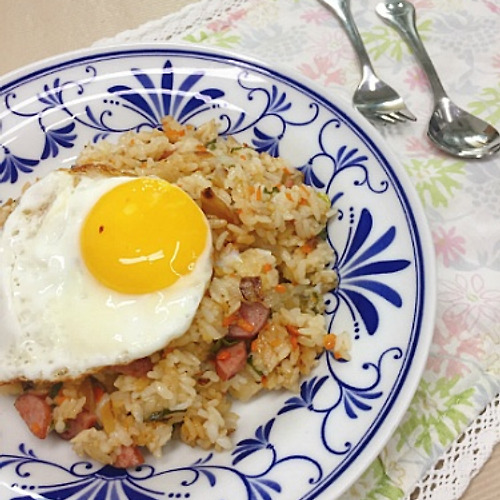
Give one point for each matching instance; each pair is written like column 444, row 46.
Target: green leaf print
column 489, row 106
column 219, row 38
column 384, row 40
column 374, row 484
column 436, row 179
column 437, row 414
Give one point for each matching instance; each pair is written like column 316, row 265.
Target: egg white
column 58, row 321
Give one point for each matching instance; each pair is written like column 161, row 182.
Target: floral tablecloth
column 461, row 198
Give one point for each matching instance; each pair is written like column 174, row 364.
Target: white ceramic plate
column 288, row 446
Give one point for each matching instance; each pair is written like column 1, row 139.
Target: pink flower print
column 469, row 301
column 442, row 359
column 224, row 24
column 448, row 244
column 317, row 16
column 418, row 147
column 453, row 349
column 493, row 7
column 322, row 69
column 496, row 61
column 416, row 79
column 333, row 45
column 327, row 65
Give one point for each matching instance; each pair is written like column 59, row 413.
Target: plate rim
column 385, row 154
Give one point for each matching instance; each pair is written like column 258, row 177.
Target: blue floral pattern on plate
column 385, row 298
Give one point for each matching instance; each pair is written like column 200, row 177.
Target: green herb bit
column 223, row 342
column 156, row 416
column 274, row 190
column 236, row 148
column 54, row 390
column 325, row 198
column 323, row 234
column 252, row 366
column 211, row 145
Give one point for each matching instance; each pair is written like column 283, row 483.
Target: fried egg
column 97, row 271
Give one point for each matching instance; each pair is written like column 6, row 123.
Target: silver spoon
column 451, row 128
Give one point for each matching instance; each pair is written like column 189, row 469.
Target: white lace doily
column 454, row 470
column 176, row 25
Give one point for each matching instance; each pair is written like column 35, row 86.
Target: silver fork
column 375, row 99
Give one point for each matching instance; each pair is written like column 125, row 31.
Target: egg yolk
column 142, row 236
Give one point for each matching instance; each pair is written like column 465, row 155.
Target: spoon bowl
column 451, row 128
column 461, row 134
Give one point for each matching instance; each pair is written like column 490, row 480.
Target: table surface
column 35, row 29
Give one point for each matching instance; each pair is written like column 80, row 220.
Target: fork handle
column 342, row 9
column 401, row 16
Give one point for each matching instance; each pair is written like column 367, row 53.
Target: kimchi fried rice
column 269, row 249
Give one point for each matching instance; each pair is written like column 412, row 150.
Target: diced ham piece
column 84, row 420
column 254, row 316
column 129, row 456
column 138, row 368
column 251, row 288
column 36, row 412
column 231, row 360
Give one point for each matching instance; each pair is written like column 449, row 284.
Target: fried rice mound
column 269, row 248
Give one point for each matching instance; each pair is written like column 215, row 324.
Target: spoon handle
column 342, row 10
column 400, row 14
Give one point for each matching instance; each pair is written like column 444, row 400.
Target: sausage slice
column 254, row 316
column 231, row 360
column 84, row 420
column 138, row 368
column 36, row 412
column 129, row 456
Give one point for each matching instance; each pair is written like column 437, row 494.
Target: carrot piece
column 292, row 330
column 258, row 194
column 254, row 346
column 223, row 354
column 280, row 288
column 295, row 342
column 306, row 248
column 59, row 399
column 329, row 341
column 266, row 267
column 229, row 320
column 98, row 393
column 174, row 135
column 245, row 325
